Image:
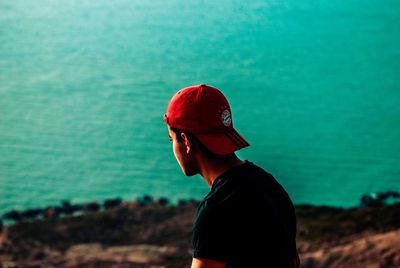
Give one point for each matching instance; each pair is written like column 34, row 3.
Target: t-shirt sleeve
column 210, row 236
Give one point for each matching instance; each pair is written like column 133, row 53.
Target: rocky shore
column 156, row 234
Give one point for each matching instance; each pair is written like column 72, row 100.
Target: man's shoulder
column 250, row 175
column 235, row 183
column 257, row 170
column 245, row 171
column 255, row 184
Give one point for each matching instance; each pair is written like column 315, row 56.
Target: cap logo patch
column 226, row 118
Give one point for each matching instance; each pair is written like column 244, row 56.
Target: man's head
column 199, row 120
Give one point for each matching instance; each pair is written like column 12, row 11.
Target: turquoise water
column 314, row 87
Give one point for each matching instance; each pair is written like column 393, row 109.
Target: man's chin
column 189, row 173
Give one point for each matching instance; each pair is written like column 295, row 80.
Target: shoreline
column 157, row 234
column 67, row 209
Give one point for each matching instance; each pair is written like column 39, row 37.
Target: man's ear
column 188, row 143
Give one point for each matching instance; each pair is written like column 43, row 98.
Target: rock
column 38, row 255
column 51, row 212
column 31, row 213
column 110, row 203
column 68, row 209
column 368, row 250
column 13, row 215
column 140, row 254
column 145, row 200
column 91, row 207
column 162, row 201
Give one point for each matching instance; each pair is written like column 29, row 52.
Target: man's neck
column 211, row 169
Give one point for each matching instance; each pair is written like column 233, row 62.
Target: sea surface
column 314, row 87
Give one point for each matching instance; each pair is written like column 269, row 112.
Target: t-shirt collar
column 226, row 173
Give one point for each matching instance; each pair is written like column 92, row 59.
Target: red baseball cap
column 205, row 112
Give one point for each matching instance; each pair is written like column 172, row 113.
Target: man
column 247, row 219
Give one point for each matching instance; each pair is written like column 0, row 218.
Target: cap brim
column 223, row 143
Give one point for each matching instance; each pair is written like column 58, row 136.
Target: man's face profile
column 183, row 152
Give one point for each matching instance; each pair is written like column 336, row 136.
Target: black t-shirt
column 246, row 220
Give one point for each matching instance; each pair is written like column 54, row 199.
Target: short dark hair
column 202, row 147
